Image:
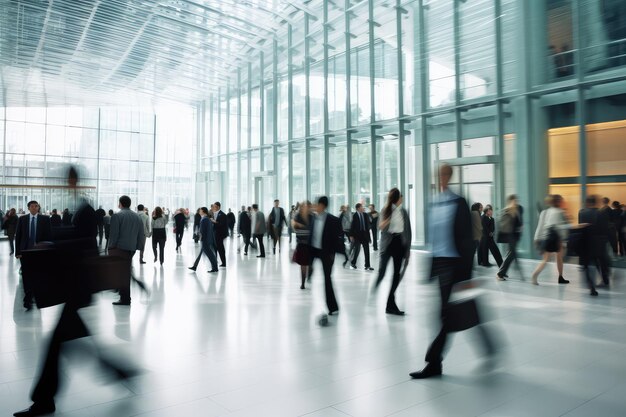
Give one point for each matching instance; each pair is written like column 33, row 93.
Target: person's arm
column 18, row 237
column 114, row 231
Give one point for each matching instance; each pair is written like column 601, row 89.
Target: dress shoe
column 37, row 409
column 488, row 265
column 121, row 303
column 432, row 369
column 28, row 306
column 352, row 266
column 261, row 256
column 301, row 287
column 214, row 270
column 330, row 313
column 505, row 275
column 245, row 253
column 500, row 277
column 223, row 266
column 141, row 261
column 155, row 259
column 345, row 263
column 369, row 268
column 192, row 268
column 563, row 280
column 395, row 311
column 593, row 293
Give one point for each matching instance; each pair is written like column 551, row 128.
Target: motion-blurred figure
column 453, row 251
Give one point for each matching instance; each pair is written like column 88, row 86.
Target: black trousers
column 161, row 244
column 443, row 269
column 396, row 251
column 375, row 236
column 219, row 243
column 259, row 239
column 100, row 233
column 69, row 327
column 246, row 242
column 511, row 256
column 209, row 251
column 356, row 250
column 327, row 265
column 487, row 244
column 180, row 231
column 12, row 244
column 125, row 291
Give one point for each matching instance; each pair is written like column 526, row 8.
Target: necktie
column 31, row 234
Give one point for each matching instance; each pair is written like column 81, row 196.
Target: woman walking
column 159, row 221
column 395, row 242
column 550, row 236
column 301, row 224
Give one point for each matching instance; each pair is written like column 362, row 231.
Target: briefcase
column 461, row 315
column 47, row 273
column 106, row 273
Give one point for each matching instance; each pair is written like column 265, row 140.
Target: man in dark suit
column 245, row 228
column 31, row 229
column 592, row 249
column 277, row 219
column 221, row 231
column 360, row 236
column 326, row 239
column 231, row 222
column 207, row 233
column 453, row 253
column 100, row 213
column 55, row 219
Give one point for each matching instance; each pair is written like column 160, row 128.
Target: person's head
column 488, row 210
column 249, row 209
column 394, row 198
column 54, row 211
column 217, row 205
column 230, row 211
column 606, row 201
column 124, row 202
column 33, row 207
column 140, row 207
column 322, row 203
column 372, row 208
column 358, row 207
column 445, row 173
column 477, row 207
column 158, row 212
column 276, row 203
column 591, row 201
column 255, row 207
column 203, row 211
column 557, row 200
column 293, row 207
column 511, row 200
column 615, row 205
column 243, row 208
column 12, row 212
column 110, row 212
column 304, row 207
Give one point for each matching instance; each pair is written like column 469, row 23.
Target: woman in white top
column 553, row 227
column 395, row 243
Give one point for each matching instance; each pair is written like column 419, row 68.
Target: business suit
column 100, row 213
column 24, row 241
column 453, row 252
column 360, row 233
column 179, row 223
column 125, row 239
column 245, row 227
column 207, row 232
column 487, row 242
column 55, row 220
column 259, row 231
column 324, row 247
column 221, row 233
column 276, row 222
column 79, row 241
column 593, row 249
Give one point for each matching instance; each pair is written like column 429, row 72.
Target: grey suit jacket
column 385, row 236
column 126, row 231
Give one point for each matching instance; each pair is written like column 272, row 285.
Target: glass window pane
column 440, row 40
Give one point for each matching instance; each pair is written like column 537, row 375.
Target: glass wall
column 117, row 150
column 365, row 95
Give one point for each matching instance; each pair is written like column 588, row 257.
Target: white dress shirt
column 318, row 230
column 396, row 224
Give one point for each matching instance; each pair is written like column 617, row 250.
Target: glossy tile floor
column 245, row 342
